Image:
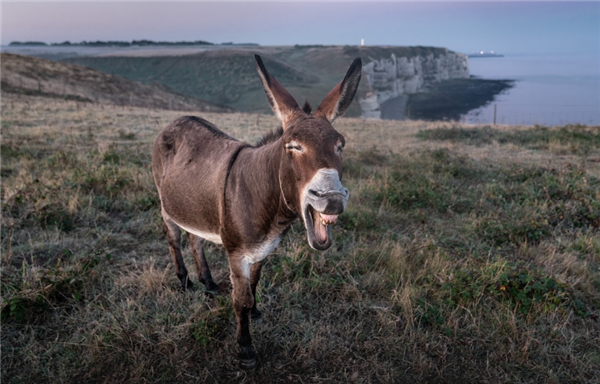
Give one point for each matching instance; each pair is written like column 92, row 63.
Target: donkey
column 246, row 197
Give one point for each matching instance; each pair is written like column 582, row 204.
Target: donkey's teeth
column 328, row 219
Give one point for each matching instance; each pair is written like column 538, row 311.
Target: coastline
column 447, row 100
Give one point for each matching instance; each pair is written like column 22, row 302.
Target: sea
column 548, row 90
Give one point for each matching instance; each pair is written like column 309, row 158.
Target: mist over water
column 549, row 89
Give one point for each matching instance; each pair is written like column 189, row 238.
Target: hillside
column 36, row 76
column 224, row 77
column 228, row 76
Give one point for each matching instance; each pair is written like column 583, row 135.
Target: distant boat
column 485, row 54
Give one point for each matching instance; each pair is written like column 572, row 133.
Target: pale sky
column 505, row 27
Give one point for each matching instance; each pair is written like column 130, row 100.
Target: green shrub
column 579, row 138
column 53, row 215
column 59, row 286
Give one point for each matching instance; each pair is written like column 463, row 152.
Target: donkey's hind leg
column 196, row 243
column 173, row 234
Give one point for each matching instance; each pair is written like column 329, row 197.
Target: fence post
column 495, row 105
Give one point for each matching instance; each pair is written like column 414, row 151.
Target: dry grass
column 453, row 262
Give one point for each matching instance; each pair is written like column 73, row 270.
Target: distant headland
column 133, row 43
column 484, row 54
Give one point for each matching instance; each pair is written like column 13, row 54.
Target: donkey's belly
column 196, row 211
column 213, row 237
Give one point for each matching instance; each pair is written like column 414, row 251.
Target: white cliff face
column 389, row 78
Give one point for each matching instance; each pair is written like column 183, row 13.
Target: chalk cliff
column 392, row 79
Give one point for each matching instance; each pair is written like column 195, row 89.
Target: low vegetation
column 39, row 77
column 222, row 77
column 465, row 255
column 577, row 139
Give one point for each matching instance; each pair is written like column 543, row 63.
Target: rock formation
column 391, row 80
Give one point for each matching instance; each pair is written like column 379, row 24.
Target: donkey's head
column 310, row 172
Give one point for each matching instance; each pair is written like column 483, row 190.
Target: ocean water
column 548, row 89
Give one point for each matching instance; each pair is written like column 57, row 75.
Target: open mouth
column 318, row 226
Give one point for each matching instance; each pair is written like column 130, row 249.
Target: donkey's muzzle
column 324, row 199
column 328, row 202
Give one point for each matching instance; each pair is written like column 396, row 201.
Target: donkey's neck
column 255, row 177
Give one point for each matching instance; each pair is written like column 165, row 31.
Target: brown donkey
column 246, row 197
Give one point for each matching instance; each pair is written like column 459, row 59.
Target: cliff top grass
column 457, row 260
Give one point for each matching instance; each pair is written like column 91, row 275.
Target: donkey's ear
column 282, row 103
column 340, row 97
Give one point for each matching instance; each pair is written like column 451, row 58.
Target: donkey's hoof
column 248, row 365
column 256, row 316
column 248, row 361
column 212, row 288
column 189, row 287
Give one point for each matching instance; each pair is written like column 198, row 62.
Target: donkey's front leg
column 255, row 314
column 243, row 301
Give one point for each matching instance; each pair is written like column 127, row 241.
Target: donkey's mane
column 269, row 137
column 277, row 133
column 306, row 108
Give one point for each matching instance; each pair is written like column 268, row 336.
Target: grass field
column 466, row 254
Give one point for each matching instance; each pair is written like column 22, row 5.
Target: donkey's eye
column 339, row 149
column 294, row 146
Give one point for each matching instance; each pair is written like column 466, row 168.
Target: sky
column 506, row 27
